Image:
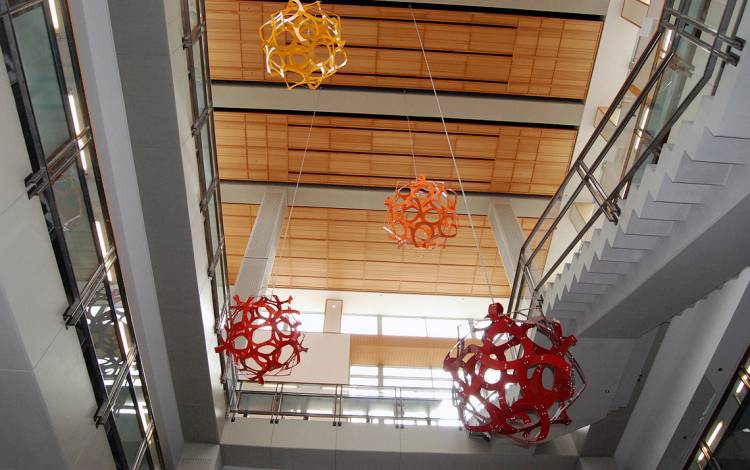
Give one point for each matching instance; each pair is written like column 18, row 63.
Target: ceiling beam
column 341, row 197
column 579, row 7
column 493, row 108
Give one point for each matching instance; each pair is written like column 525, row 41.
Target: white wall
column 46, row 400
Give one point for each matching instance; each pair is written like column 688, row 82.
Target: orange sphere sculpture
column 302, row 44
column 422, row 214
column 261, row 337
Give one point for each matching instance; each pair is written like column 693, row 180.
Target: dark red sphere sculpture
column 422, row 214
column 518, row 380
column 261, row 336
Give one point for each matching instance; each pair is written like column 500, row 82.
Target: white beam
column 341, row 197
column 492, row 108
column 257, row 262
column 508, row 236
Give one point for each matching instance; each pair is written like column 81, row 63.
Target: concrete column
column 257, row 263
column 508, row 236
column 98, row 59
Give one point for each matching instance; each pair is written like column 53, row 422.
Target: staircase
column 682, row 231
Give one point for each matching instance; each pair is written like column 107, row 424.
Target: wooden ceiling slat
column 377, row 152
column 344, row 249
column 467, row 51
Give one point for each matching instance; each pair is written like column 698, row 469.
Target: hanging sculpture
column 302, row 44
column 510, row 384
column 422, row 214
column 261, row 337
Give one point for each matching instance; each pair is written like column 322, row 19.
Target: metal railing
column 655, row 94
column 341, row 403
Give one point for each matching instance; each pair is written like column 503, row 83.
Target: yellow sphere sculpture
column 303, row 44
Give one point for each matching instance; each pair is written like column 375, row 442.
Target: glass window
column 136, row 378
column 359, row 324
column 448, row 328
column 96, row 205
column 220, row 283
column 35, row 50
column 103, row 332
column 371, row 381
column 364, row 370
column 198, row 82
column 312, row 322
column 399, row 382
column 74, row 218
column 193, row 13
column 213, row 222
column 404, row 326
column 407, row 372
column 206, row 157
column 127, row 422
column 151, row 459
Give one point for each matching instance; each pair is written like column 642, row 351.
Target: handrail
column 681, row 27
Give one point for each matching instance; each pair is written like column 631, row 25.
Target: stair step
column 705, row 147
column 609, row 267
column 683, row 169
column 631, row 241
column 621, row 254
column 651, row 209
column 669, row 191
column 599, row 278
column 571, row 307
column 634, row 225
column 588, row 288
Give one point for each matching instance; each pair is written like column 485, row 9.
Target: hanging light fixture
column 261, row 337
column 302, row 44
column 422, row 214
column 518, row 380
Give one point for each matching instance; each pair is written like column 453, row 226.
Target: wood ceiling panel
column 341, row 249
column 377, row 152
column 467, row 51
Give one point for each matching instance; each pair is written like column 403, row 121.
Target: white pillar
column 104, row 95
column 332, row 319
column 257, row 262
column 508, row 236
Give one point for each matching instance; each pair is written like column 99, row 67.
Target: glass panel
column 153, row 451
column 439, row 328
column 100, row 223
column 426, row 383
column 104, row 337
column 122, row 320
column 213, row 222
column 208, row 169
column 406, row 372
column 404, row 326
column 74, row 218
column 256, row 402
column 312, row 322
column 359, row 324
column 370, row 381
column 363, row 370
column 35, row 49
column 140, row 396
column 126, row 420
column 220, row 283
column 198, row 83
column 193, row 14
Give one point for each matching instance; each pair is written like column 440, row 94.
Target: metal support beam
column 257, row 263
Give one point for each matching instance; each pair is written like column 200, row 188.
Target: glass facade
column 40, row 57
column 195, row 43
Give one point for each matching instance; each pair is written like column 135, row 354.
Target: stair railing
column 682, row 30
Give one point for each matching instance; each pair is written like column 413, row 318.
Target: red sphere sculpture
column 511, row 384
column 261, row 336
column 422, row 214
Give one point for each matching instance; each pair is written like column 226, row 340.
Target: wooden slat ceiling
column 377, row 152
column 467, row 51
column 341, row 249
